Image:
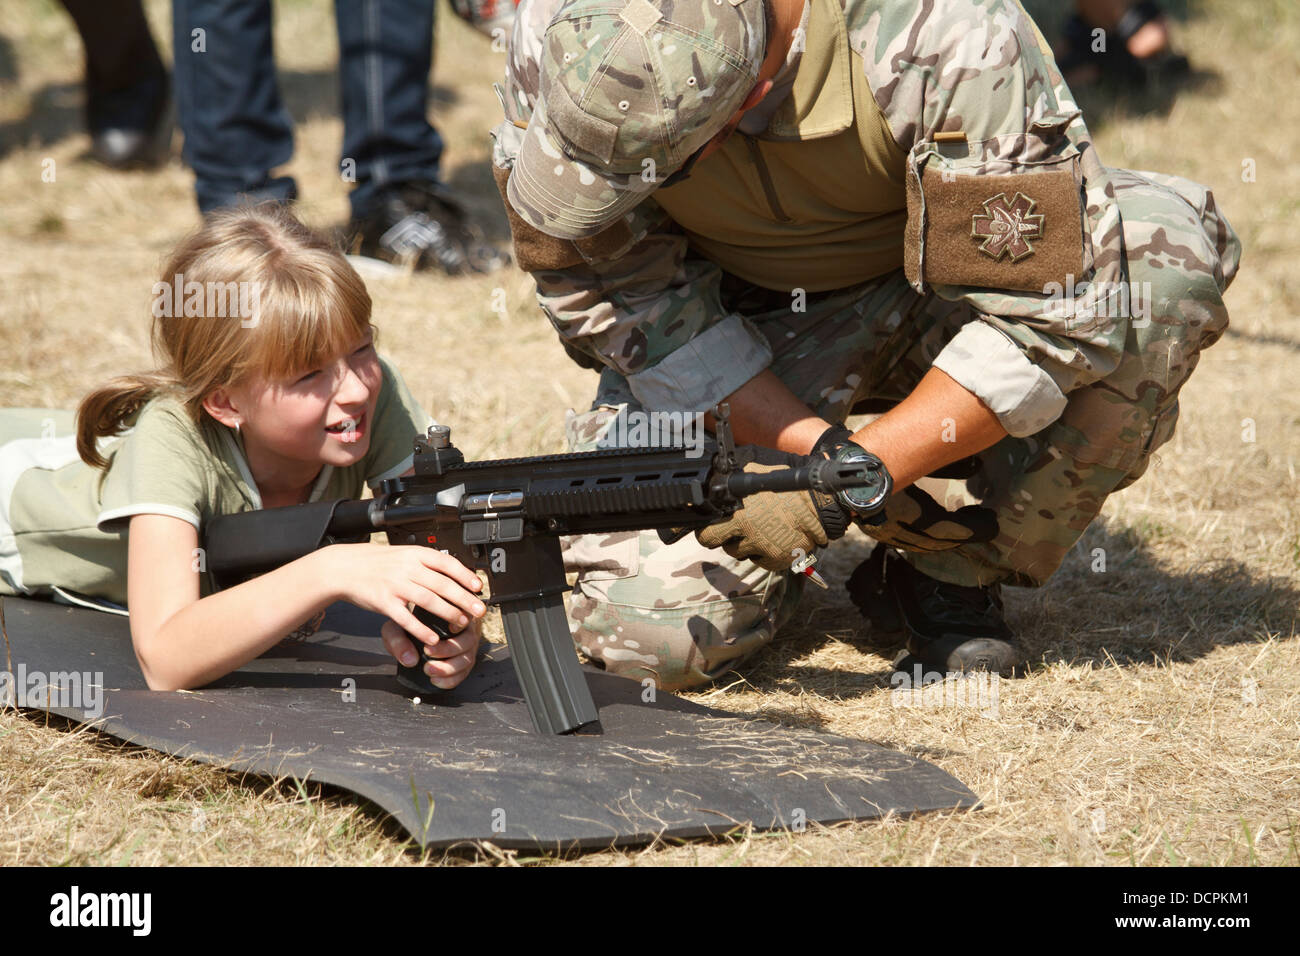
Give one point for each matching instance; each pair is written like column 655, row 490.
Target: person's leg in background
column 237, row 130
column 126, row 82
column 1134, row 45
column 385, row 55
column 1145, row 39
column 401, row 210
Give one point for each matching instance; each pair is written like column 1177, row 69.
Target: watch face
column 867, row 499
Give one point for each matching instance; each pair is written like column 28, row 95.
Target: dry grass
column 1159, row 723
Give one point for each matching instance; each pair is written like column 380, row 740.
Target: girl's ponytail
column 103, row 413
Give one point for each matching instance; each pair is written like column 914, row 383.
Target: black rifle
column 506, row 518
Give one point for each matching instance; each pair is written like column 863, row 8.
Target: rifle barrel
column 825, row 476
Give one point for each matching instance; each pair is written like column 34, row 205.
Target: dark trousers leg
column 236, row 127
column 125, row 79
column 385, row 53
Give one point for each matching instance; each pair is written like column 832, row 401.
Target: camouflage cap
column 629, row 90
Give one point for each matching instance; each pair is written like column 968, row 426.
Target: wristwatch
column 864, row 502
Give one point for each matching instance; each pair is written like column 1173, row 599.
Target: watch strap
column 832, row 440
column 832, row 444
column 835, row 518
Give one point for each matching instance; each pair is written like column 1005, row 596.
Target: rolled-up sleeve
column 986, row 363
column 698, row 375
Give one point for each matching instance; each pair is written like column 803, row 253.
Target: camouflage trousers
column 684, row 614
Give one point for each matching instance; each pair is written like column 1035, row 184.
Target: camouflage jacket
column 978, row 114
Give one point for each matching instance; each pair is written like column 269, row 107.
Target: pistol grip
column 414, row 678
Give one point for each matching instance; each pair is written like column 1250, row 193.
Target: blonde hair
column 309, row 306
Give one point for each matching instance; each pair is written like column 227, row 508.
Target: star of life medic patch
column 1017, row 231
column 1006, row 226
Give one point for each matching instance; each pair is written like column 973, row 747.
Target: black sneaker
column 420, row 225
column 946, row 627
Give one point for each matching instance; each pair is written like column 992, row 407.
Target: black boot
column 866, row 587
column 947, row 627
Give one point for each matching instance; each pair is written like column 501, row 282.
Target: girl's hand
column 386, row 578
column 455, row 655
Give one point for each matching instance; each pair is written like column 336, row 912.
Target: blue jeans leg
column 236, row 127
column 385, row 53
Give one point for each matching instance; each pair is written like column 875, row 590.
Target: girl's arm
column 182, row 641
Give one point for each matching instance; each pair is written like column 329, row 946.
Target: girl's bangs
column 304, row 326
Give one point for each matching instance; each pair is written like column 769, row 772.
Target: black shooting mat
column 670, row 768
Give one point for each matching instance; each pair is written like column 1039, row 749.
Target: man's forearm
column 765, row 412
column 939, row 423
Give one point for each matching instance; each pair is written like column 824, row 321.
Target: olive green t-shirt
column 63, row 524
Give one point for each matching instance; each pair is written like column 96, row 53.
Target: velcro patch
column 586, row 132
column 641, row 15
column 536, row 251
column 1016, row 232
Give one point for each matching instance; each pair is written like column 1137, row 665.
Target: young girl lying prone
column 283, row 403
